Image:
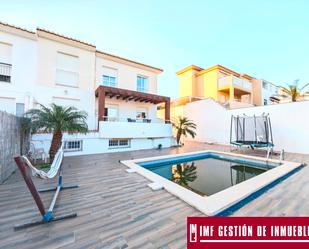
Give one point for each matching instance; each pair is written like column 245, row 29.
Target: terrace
column 104, row 92
column 118, row 209
column 241, row 84
column 114, row 121
column 237, row 90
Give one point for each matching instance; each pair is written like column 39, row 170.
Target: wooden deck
column 117, row 209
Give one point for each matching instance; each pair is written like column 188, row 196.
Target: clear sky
column 264, row 38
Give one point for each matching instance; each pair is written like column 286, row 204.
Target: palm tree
column 293, row 90
column 184, row 173
column 184, row 126
column 57, row 119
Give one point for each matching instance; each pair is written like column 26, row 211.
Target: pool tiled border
column 216, row 203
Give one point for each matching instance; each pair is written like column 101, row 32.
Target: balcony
column 103, row 92
column 5, row 72
column 132, row 120
column 241, row 84
column 139, row 128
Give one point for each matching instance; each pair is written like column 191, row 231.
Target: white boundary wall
column 94, row 144
column 290, row 123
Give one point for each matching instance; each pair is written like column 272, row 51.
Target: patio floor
column 117, row 209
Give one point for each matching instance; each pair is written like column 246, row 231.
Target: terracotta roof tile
column 82, row 42
column 65, row 37
column 16, row 27
column 121, row 58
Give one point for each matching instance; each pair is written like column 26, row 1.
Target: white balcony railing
column 134, row 130
column 132, row 120
column 238, row 104
column 5, row 72
column 226, row 81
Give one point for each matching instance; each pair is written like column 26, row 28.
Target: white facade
column 289, row 123
column 21, row 59
column 48, row 68
column 93, row 143
column 136, row 130
column 268, row 90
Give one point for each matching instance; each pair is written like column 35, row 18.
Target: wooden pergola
column 123, row 94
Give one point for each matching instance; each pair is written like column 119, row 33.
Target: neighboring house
column 223, row 85
column 118, row 94
column 269, row 93
column 227, row 87
column 283, row 97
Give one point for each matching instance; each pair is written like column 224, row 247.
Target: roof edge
column 16, row 27
column 158, row 70
column 191, row 67
column 41, row 31
column 44, row 33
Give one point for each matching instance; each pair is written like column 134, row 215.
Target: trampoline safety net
column 254, row 131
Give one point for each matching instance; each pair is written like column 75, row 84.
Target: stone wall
column 12, row 142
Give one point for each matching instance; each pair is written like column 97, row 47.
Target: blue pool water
column 207, row 173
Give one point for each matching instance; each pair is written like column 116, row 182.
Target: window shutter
column 5, row 53
column 67, row 72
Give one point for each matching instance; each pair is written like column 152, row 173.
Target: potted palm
column 57, row 120
column 184, row 127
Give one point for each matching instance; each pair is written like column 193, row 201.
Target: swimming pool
column 206, row 174
column 214, row 182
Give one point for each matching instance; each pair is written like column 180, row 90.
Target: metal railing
column 5, row 72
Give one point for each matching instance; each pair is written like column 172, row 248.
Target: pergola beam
column 104, row 91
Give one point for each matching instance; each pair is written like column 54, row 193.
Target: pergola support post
column 101, row 105
column 168, row 111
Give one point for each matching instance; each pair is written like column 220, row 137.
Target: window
column 113, row 143
column 109, row 81
column 142, row 84
column 66, row 102
column 265, row 85
column 123, row 142
column 20, row 109
column 73, row 145
column 118, row 143
column 265, row 102
column 67, row 72
column 109, row 76
column 5, row 62
column 5, row 72
column 111, row 113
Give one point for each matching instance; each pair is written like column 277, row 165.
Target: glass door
column 111, row 113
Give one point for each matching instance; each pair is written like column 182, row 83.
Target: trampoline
column 252, row 131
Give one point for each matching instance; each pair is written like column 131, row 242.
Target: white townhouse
column 269, row 92
column 118, row 94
